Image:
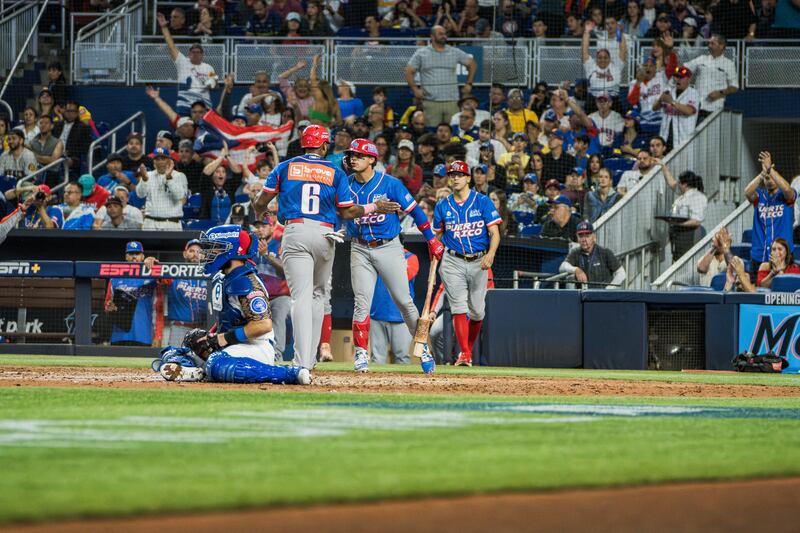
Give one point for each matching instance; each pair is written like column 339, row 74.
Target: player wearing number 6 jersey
column 311, row 193
column 467, row 223
column 376, row 250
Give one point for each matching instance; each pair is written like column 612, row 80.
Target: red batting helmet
column 458, row 167
column 314, row 136
column 364, row 147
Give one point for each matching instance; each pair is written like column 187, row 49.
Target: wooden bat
column 424, row 323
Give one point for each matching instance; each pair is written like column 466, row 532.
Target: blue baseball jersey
column 141, row 330
column 374, row 226
column 773, row 217
column 274, row 279
column 308, row 186
column 238, row 298
column 187, row 300
column 383, row 307
column 34, row 220
column 465, row 226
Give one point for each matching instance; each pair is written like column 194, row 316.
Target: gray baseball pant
column 388, row 262
column 436, row 338
column 281, row 307
column 465, row 285
column 384, row 335
column 308, row 263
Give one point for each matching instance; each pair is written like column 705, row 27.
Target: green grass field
column 81, row 451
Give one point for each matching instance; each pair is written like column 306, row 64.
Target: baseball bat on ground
column 424, row 323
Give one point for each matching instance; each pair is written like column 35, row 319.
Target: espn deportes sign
column 140, row 270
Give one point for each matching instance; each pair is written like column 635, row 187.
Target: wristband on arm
column 421, row 220
column 235, row 336
column 369, row 208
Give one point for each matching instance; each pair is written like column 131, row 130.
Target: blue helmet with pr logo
column 221, row 244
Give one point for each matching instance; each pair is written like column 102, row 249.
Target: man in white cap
column 164, row 190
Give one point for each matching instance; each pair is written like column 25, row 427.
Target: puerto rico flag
column 214, row 129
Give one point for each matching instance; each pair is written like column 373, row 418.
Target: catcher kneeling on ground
column 239, row 348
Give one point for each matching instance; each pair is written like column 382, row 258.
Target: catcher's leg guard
column 222, row 367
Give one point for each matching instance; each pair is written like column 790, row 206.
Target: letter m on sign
column 774, row 340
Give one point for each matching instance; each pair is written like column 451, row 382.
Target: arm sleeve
column 567, row 267
column 177, row 186
column 730, row 74
column 619, row 277
column 611, row 259
column 490, row 214
column 143, row 188
column 422, row 222
column 9, row 223
column 438, row 225
column 415, row 60
column 344, row 196
column 412, row 267
column 273, row 181
column 633, row 94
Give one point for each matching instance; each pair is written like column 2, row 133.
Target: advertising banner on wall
column 771, row 328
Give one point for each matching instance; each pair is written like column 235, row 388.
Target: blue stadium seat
column 796, row 252
column 698, row 288
column 530, row 230
column 192, row 207
column 195, row 200
column 615, row 164
column 747, row 235
column 241, row 199
column 718, row 281
column 198, row 225
column 786, row 283
column 741, row 250
column 617, row 176
column 7, row 183
column 524, row 217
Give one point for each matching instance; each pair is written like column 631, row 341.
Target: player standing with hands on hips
column 467, row 223
column 376, row 250
column 311, row 193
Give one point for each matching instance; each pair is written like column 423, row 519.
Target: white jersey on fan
column 649, row 93
column 194, row 83
column 607, row 128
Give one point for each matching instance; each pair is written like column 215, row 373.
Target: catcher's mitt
column 749, row 362
column 197, row 340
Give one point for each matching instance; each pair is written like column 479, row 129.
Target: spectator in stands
column 608, row 122
column 552, row 190
column 510, row 21
column 190, row 166
column 592, row 169
column 601, row 198
column 650, row 84
column 468, row 19
column 574, row 27
column 766, row 18
column 630, row 141
column 315, row 23
column 650, row 10
column 661, row 28
column 46, row 103
column 17, row 160
column 737, row 277
column 516, row 161
column 91, row 193
column 264, row 23
column 537, row 166
column 734, row 19
column 691, row 203
column 781, row 261
column 484, row 136
column 341, row 141
column 428, row 158
column 517, row 114
column 217, row 200
column 633, row 22
column 496, row 174
column 164, row 190
column 714, row 260
column 57, row 83
column 41, row 214
column 195, row 78
column 715, row 77
column 350, row 106
column 402, row 16
column 292, row 28
column 537, row 101
column 529, row 200
column 574, row 188
column 129, row 212
column 690, row 36
column 580, row 150
column 325, row 109
column 591, row 263
column 284, row 7
column 631, row 178
column 773, row 199
column 77, row 215
column 115, row 218
column 385, row 156
column 557, row 162
column 508, row 226
column 467, row 129
column 539, row 29
column 679, row 104
column 206, row 25
column 560, row 224
column 134, row 153
column 480, row 180
column 30, row 124
column 437, row 65
column 177, row 22
column 46, row 147
column 115, row 176
column 406, row 169
column 373, row 29
column 129, row 303
column 658, row 147
column 75, row 136
column 603, row 72
column 502, row 129
column 497, row 97
column 298, row 95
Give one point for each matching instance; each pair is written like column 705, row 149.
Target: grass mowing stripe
column 39, row 483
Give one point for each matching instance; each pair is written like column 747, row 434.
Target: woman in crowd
column 385, row 156
column 533, row 132
column 593, row 169
column 691, row 204
column 206, row 25
column 666, row 59
column 500, row 201
column 633, row 23
column 538, row 101
column 495, row 174
column 602, row 198
column 402, row 16
column 713, row 262
column 406, row 169
column 325, row 109
column 316, row 23
column 781, row 261
column 502, row 129
column 630, row 141
column 46, row 103
column 30, row 123
column 350, row 106
column 536, row 165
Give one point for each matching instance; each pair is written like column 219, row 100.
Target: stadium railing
column 18, row 37
column 108, row 141
column 683, row 272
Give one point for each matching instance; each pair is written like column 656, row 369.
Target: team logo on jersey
column 474, row 212
column 304, row 171
column 380, row 197
column 216, row 297
column 258, row 305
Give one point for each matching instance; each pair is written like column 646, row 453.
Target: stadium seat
column 530, row 230
column 615, row 164
column 198, row 224
column 747, row 235
column 617, row 176
column 698, row 288
column 241, row 199
column 796, row 252
column 718, row 281
column 525, row 218
column 786, row 283
column 7, row 183
column 741, row 250
column 192, row 207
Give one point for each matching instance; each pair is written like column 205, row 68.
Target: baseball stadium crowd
column 548, row 156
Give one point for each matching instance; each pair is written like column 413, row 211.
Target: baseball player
column 376, row 250
column 239, row 347
column 186, row 300
column 270, row 270
column 311, row 192
column 467, row 223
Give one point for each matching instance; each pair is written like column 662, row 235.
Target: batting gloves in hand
column 337, row 237
column 435, row 249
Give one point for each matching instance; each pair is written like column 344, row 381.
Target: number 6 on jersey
column 309, row 201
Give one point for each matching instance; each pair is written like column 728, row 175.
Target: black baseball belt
column 467, row 257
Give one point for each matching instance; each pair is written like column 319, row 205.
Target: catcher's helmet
column 220, row 244
column 192, row 341
column 314, row 136
column 363, row 147
column 458, row 167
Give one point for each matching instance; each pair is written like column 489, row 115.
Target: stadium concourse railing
column 683, row 272
column 113, row 50
column 630, row 228
column 18, row 39
column 108, row 141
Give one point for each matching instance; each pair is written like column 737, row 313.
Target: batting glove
column 336, row 237
column 435, row 249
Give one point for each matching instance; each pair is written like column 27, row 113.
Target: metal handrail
column 21, row 53
column 112, row 134
column 105, row 19
column 14, row 10
column 8, row 108
column 60, row 161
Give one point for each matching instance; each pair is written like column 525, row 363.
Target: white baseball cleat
column 304, row 377
column 177, row 372
column 362, row 361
